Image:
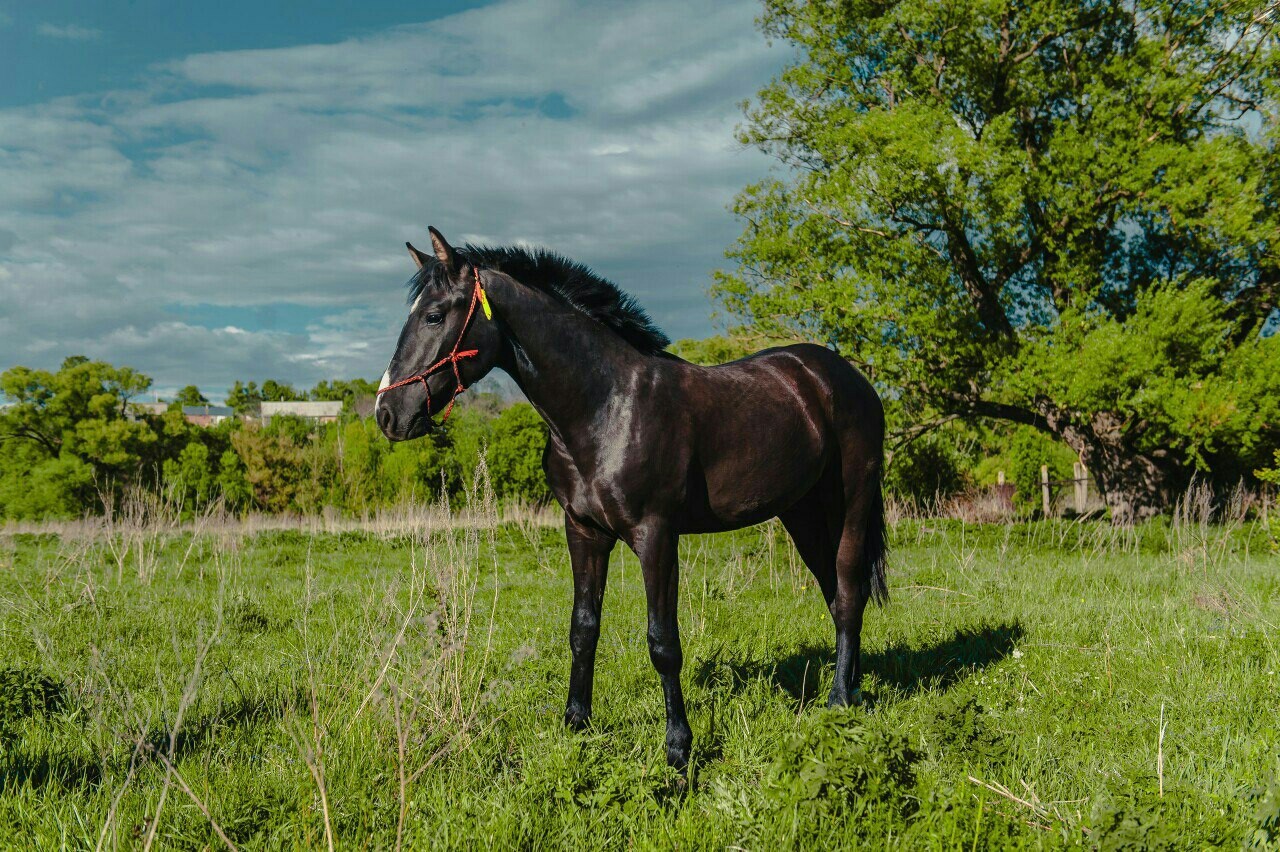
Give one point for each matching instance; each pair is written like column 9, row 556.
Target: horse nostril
column 383, row 416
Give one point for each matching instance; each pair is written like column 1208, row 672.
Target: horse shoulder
column 562, row 474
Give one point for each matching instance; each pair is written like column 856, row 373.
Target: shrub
column 26, row 692
column 515, row 454
column 927, row 469
column 843, row 768
column 1028, row 450
column 274, row 468
column 192, row 475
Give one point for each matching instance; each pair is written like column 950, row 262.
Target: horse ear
column 418, row 257
column 444, row 252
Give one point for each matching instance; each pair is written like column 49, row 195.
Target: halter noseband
column 454, row 356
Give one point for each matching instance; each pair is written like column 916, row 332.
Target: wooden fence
column 1079, row 488
column 1079, row 483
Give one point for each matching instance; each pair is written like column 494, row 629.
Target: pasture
column 1035, row 686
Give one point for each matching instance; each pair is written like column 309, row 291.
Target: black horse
column 645, row 447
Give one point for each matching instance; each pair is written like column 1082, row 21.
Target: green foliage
column 41, row 487
column 1271, row 476
column 292, row 427
column 928, row 468
column 1265, row 799
column 274, row 469
column 1054, row 214
column 233, row 480
column 720, row 349
column 81, row 409
column 244, row 398
column 27, row 691
column 190, row 395
column 1028, row 451
column 1171, row 366
column 66, row 429
column 469, row 432
column 192, row 475
column 273, row 391
column 345, row 391
column 839, row 768
column 966, row 733
column 1139, row 821
column 71, row 434
column 517, row 439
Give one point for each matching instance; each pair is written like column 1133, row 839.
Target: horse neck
column 567, row 364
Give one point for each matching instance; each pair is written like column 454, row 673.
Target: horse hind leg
column 859, row 567
column 806, row 523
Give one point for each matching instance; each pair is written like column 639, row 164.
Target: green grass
column 383, row 689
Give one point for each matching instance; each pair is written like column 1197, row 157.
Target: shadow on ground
column 907, row 669
column 51, row 764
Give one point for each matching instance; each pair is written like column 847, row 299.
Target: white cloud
column 293, row 177
column 69, row 32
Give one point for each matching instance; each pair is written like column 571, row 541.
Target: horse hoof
column 576, row 720
column 855, row 698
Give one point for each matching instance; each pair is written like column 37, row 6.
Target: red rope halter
column 452, row 358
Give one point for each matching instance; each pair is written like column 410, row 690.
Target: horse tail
column 875, row 545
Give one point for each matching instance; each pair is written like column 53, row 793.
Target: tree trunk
column 1135, row 486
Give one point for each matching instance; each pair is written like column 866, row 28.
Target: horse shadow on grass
column 903, row 668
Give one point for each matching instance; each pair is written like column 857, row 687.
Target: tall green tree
column 244, row 398
column 273, row 391
column 346, row 391
column 81, row 410
column 518, row 438
column 65, row 435
column 1061, row 214
column 190, row 395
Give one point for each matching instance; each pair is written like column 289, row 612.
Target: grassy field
column 1038, row 685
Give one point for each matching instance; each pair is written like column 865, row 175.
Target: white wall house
column 321, row 412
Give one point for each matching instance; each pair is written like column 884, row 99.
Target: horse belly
column 757, row 483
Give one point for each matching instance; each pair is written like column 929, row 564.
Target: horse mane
column 565, row 280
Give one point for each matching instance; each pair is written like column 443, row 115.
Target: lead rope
column 477, row 297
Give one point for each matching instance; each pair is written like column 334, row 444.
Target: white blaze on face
column 386, row 380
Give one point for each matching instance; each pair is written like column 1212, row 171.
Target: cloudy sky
column 224, row 192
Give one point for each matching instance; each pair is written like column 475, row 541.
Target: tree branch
column 985, row 298
column 28, row 434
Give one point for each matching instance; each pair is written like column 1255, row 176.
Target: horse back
column 767, row 427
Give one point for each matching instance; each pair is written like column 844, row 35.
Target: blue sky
column 213, row 191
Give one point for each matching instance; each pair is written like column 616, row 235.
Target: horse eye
column 434, row 319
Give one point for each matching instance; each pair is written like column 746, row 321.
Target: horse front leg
column 589, row 550
column 657, row 548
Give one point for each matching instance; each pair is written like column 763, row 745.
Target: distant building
column 321, row 412
column 207, row 415
column 156, row 408
column 197, row 415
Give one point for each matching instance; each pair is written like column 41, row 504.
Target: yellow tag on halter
column 484, row 303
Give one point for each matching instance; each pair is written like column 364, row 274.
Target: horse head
column 449, row 342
